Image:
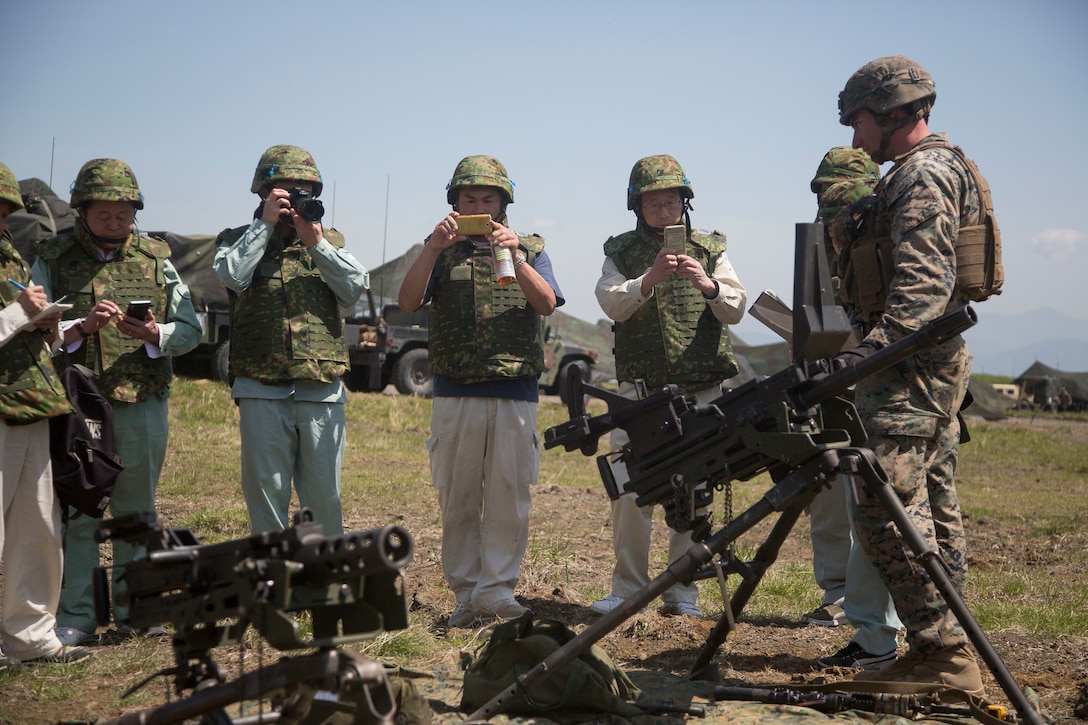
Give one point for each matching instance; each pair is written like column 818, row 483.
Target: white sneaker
column 606, row 605
column 70, row 636
column 463, row 615
column 504, row 609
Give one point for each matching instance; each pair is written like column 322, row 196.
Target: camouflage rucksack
column 589, row 682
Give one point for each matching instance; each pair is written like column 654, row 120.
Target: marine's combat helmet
column 106, row 180
column 9, row 189
column 841, row 164
column 286, row 163
column 655, row 173
column 887, row 83
column 480, row 171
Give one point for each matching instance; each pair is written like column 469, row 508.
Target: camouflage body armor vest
column 124, row 371
column 868, row 273
column 677, row 339
column 286, row 325
column 480, row 330
column 30, row 389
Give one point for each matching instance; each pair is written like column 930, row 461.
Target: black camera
column 306, row 205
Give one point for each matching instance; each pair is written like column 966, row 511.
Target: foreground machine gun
column 792, row 425
column 351, row 585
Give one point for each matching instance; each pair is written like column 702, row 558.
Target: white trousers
column 30, row 540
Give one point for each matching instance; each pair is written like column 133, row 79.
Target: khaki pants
column 484, row 454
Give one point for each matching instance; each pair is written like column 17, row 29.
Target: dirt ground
column 761, row 649
column 558, row 576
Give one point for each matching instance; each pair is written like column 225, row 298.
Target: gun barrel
column 933, row 333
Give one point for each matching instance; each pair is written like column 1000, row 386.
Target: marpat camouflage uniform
column 911, row 409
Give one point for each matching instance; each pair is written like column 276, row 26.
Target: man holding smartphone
column 101, row 266
column 486, row 355
column 287, row 275
column 671, row 297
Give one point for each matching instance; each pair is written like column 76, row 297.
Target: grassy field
column 1023, row 486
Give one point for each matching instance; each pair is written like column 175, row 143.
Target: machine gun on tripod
column 792, row 425
column 351, row 585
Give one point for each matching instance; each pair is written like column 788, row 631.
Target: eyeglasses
column 660, row 206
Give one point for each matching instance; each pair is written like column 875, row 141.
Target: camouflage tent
column 45, row 215
column 1040, row 382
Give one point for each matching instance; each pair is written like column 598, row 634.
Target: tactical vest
column 286, row 325
column 478, row 329
column 871, row 266
column 124, row 371
column 30, row 389
column 675, row 338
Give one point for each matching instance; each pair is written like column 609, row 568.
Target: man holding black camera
column 286, row 276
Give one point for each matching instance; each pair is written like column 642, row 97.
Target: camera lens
column 305, row 205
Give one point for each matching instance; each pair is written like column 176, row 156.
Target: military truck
column 391, row 348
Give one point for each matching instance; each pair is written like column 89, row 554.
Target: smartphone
column 138, row 309
column 676, row 235
column 474, row 224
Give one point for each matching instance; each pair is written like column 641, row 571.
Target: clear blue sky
column 568, row 94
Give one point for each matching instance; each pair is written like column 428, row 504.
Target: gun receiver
column 679, row 451
column 352, row 585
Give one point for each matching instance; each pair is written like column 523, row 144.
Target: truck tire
column 220, row 362
column 411, row 375
column 564, row 376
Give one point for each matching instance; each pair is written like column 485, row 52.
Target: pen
column 17, row 284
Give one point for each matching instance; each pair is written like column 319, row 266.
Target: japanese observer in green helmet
column 655, row 173
column 9, row 189
column 286, row 163
column 885, row 84
column 480, row 171
column 106, row 180
column 841, row 196
column 844, row 163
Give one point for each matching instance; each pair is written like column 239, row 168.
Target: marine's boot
column 955, row 667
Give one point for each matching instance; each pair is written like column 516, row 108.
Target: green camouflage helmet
column 841, row 195
column 655, row 173
column 9, row 189
column 885, row 84
column 106, row 180
column 286, row 163
column 842, row 163
column 480, row 171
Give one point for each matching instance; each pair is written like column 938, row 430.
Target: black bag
column 82, row 446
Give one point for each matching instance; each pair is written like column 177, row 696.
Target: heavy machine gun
column 793, row 425
column 351, row 585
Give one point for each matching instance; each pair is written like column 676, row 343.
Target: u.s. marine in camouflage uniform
column 485, row 353
column 286, row 276
column 100, row 267
column 902, row 273
column 30, row 394
column 671, row 309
